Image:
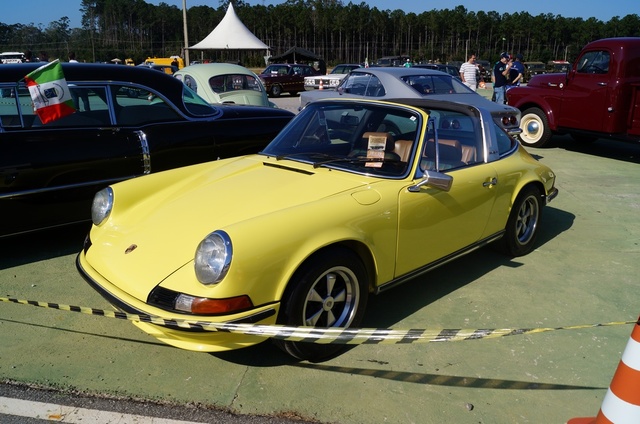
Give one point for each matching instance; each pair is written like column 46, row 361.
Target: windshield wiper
column 355, row 159
column 310, row 154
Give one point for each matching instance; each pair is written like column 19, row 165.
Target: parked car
column 281, row 78
column 225, row 83
column 129, row 122
column 558, row 66
column 167, row 69
column 533, row 68
column 452, row 70
column 354, row 197
column 391, row 83
column 331, row 80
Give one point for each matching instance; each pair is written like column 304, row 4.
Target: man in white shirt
column 468, row 73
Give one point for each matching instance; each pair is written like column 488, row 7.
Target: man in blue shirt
column 500, row 72
column 517, row 71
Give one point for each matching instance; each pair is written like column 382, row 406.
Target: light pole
column 186, row 36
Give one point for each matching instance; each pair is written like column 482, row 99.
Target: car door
column 586, row 93
column 436, row 223
column 50, row 172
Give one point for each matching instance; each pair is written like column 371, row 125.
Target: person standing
column 407, row 64
column 500, row 72
column 469, row 73
column 517, row 70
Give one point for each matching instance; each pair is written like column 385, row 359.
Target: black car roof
column 94, row 72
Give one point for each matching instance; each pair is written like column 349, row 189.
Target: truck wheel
column 535, row 128
column 276, row 90
column 330, row 291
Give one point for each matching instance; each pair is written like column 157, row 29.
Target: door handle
column 490, row 183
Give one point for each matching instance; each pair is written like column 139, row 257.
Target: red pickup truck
column 599, row 96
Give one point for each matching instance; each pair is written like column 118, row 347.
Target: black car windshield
column 356, row 137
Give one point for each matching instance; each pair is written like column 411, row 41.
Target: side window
column 375, row 87
column 91, row 106
column 356, row 83
column 459, row 143
column 505, row 143
column 135, row 106
column 191, row 83
column 90, row 103
column 596, row 62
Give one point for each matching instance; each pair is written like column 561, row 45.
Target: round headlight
column 213, row 258
column 102, row 204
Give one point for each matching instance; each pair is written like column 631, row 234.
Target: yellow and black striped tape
column 350, row 336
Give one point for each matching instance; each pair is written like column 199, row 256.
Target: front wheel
column 330, row 290
column 276, row 90
column 535, row 128
column 522, row 226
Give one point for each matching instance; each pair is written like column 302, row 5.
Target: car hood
column 544, row 80
column 167, row 224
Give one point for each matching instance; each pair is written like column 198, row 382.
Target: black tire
column 535, row 128
column 522, row 226
column 276, row 90
column 329, row 290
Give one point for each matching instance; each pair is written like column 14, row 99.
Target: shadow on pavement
column 41, row 245
column 612, row 149
column 446, row 380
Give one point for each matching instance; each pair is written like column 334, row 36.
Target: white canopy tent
column 230, row 34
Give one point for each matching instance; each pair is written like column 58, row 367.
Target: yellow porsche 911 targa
column 352, row 198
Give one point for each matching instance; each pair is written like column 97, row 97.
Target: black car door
column 50, row 172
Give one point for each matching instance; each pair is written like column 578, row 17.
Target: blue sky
column 42, row 12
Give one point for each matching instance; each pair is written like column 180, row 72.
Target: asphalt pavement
column 584, row 271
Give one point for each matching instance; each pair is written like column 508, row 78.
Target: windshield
column 361, row 138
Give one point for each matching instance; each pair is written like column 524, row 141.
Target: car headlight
column 213, row 258
column 102, row 204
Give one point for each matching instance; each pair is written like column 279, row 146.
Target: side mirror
column 433, row 179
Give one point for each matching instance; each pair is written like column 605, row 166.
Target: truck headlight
column 102, row 204
column 213, row 258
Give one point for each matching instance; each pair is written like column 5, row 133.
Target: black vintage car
column 129, row 121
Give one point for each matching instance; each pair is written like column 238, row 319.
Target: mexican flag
column 49, row 92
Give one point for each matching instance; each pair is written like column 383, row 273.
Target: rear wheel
column 329, row 290
column 535, row 128
column 522, row 226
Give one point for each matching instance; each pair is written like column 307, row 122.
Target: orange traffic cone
column 621, row 404
column 320, row 87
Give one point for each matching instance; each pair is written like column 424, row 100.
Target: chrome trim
column 146, row 155
column 415, row 273
column 104, row 183
column 552, row 195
